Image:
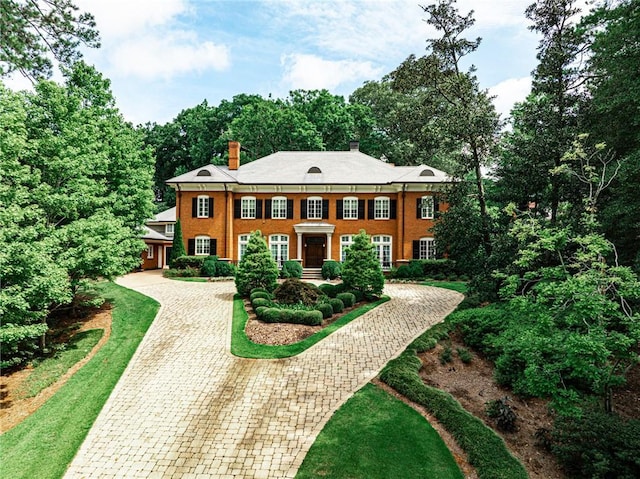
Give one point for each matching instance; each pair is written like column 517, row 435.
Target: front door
column 314, row 251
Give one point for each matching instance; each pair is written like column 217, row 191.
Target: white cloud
column 177, row 53
column 310, row 72
column 509, row 92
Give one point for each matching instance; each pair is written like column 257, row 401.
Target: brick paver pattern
column 186, row 408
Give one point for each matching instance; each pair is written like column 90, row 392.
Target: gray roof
column 296, row 168
column 166, row 216
column 150, row 234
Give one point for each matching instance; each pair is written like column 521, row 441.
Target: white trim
column 317, row 211
column 243, row 240
column 380, row 212
column 202, row 206
column 150, row 251
column 200, row 248
column 427, row 207
column 384, row 249
column 280, row 254
column 281, row 210
column 354, row 211
column 427, row 248
column 248, row 209
column 345, row 242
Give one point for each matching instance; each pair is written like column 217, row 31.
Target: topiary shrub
column 361, row 269
column 328, row 290
column 260, row 311
column 271, row 315
column 310, row 318
column 359, row 295
column 348, row 299
column 184, row 262
column 182, row 273
column 225, row 270
column 257, row 267
column 337, row 305
column 260, row 302
column 331, row 269
column 291, row 269
column 294, row 291
column 209, row 267
column 326, row 309
column 259, row 294
column 258, row 290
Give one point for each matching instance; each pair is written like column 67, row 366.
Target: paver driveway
column 186, row 408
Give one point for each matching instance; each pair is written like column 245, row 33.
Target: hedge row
column 484, row 448
column 209, row 266
column 297, row 316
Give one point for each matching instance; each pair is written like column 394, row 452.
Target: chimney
column 234, row 155
column 354, row 145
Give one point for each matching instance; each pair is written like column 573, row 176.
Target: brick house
column 158, row 236
column 309, row 204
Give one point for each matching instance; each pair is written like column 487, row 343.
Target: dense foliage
column 361, row 270
column 257, row 268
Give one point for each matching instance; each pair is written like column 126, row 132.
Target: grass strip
column 375, row 435
column 43, row 445
column 243, row 347
column 485, row 449
column 459, row 286
column 49, row 370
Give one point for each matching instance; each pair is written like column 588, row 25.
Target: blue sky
column 163, row 56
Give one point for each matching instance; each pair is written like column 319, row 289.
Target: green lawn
column 243, row 347
column 43, row 445
column 375, row 435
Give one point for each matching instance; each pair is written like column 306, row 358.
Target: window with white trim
column 279, row 246
column 350, row 208
column 345, row 242
column 381, row 208
column 314, row 208
column 169, row 229
column 426, row 208
column 382, row 244
column 203, row 206
column 243, row 240
column 279, row 208
column 203, row 245
column 248, row 207
column 427, row 248
column 150, row 249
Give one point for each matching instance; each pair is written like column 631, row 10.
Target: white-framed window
column 203, row 206
column 350, row 208
column 314, row 208
column 279, row 246
column 279, row 208
column 169, row 229
column 382, row 244
column 427, row 249
column 150, row 249
column 426, row 207
column 381, row 208
column 243, row 240
column 248, row 207
column 203, row 244
column 345, row 242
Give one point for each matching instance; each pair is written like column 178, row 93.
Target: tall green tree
column 177, row 247
column 257, row 268
column 361, row 269
column 33, row 30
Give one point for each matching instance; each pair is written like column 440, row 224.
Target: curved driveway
column 186, row 408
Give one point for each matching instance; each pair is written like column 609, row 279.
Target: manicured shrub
column 209, row 267
column 257, row 267
column 481, row 326
column 359, row 295
column 402, row 272
column 184, row 262
column 310, row 318
column 331, row 269
column 294, row 291
column 259, row 289
column 423, row 343
column 361, row 269
column 328, row 290
column 326, row 309
column 597, row 445
column 225, row 270
column 415, row 269
column 260, row 302
column 271, row 315
column 348, row 299
column 287, row 316
column 259, row 294
column 182, row 273
column 291, row 269
column 260, row 311
column 337, row 305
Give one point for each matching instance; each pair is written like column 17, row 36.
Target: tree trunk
column 486, row 237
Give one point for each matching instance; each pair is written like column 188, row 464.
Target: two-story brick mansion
column 309, row 204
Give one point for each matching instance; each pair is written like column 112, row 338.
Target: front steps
column 311, row 273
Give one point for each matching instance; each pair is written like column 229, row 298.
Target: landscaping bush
column 258, row 290
column 260, row 311
column 502, row 413
column 209, row 267
column 359, row 295
column 291, row 269
column 402, row 272
column 597, row 445
column 177, row 246
column 257, row 267
column 310, row 318
column 259, row 294
column 464, row 355
column 294, row 291
column 337, row 305
column 328, row 290
column 19, row 343
column 361, row 269
column 438, row 268
column 225, row 270
column 184, row 262
column 415, row 269
column 481, row 326
column 260, row 302
column 182, row 273
column 326, row 309
column 271, row 315
column 348, row 299
column 331, row 269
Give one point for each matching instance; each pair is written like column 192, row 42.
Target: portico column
column 299, row 246
column 329, row 235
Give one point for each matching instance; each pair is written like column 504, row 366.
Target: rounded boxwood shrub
column 259, row 294
column 291, row 269
column 260, row 311
column 348, row 299
column 359, row 295
column 258, row 290
column 328, row 289
column 331, row 269
column 209, row 267
column 326, row 309
column 260, row 302
column 311, row 318
column 271, row 315
column 287, row 315
column 224, row 269
column 337, row 305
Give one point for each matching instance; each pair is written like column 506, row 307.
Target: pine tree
column 177, row 248
column 361, row 269
column 257, row 268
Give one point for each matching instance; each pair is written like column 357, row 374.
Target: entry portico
column 315, row 252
